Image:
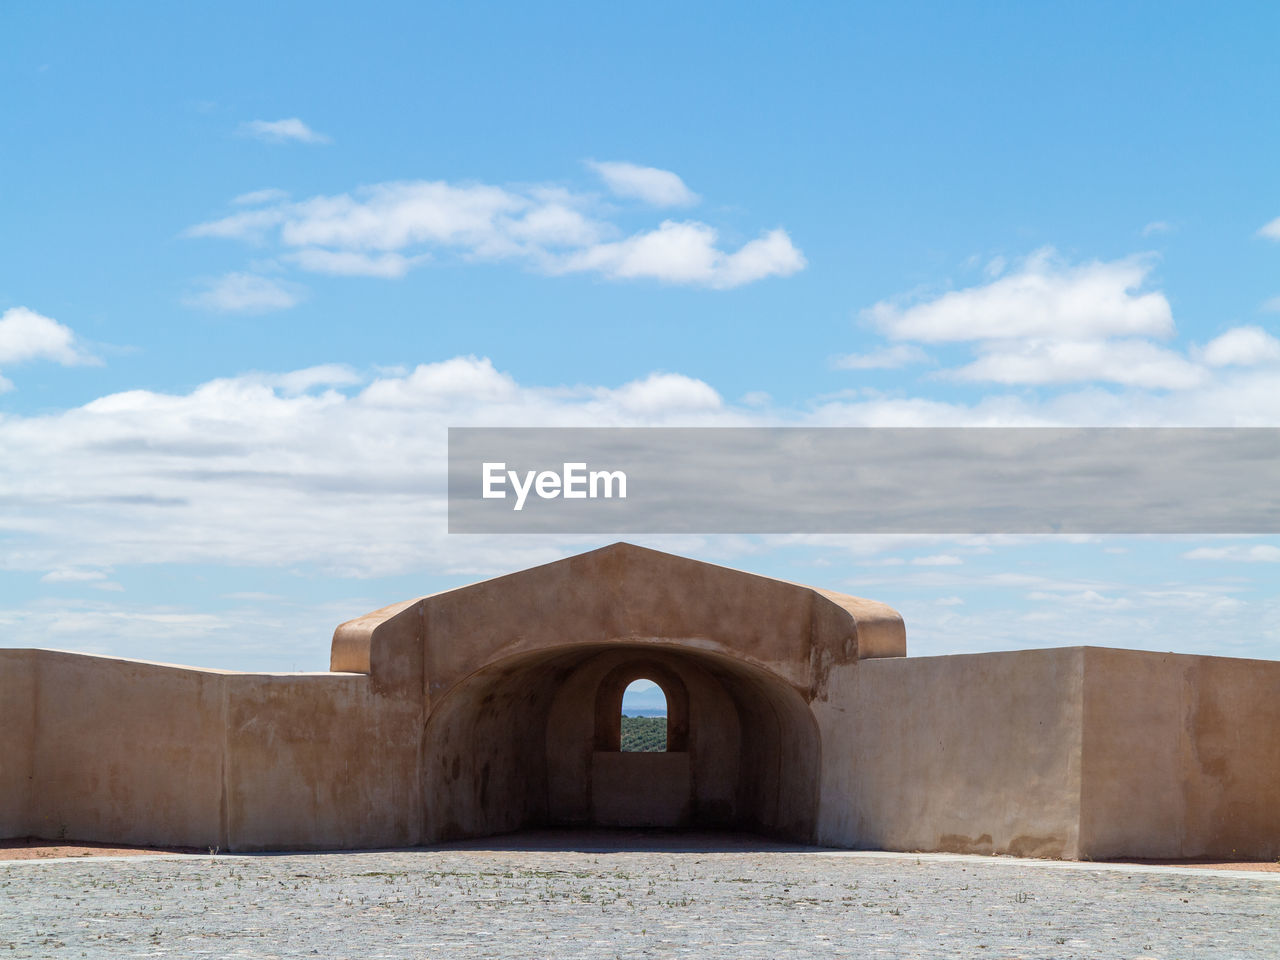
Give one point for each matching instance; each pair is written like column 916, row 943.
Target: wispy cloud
column 289, row 130
column 255, row 197
column 1270, row 230
column 297, row 382
column 887, row 358
column 1132, row 362
column 73, row 575
column 661, row 188
column 1157, row 227
column 245, row 293
column 1237, row 553
column 350, row 263
column 385, row 229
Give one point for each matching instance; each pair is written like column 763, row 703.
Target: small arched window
column 644, row 718
column 610, row 708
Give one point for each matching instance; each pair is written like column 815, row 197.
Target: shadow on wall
column 534, row 741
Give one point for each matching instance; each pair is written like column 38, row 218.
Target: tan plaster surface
column 1181, row 756
column 477, row 711
column 972, row 753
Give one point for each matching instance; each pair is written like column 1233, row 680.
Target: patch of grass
column 644, row 734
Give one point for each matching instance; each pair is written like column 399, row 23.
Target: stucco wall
column 514, row 745
column 619, row 593
column 320, row 761
column 713, row 744
column 126, row 751
column 17, row 740
column 1181, row 756
column 640, row 789
column 477, row 711
column 972, row 753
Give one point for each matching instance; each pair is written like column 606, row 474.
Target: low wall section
column 126, row 751
column 1078, row 753
column 17, row 738
column 1181, row 756
column 968, row 754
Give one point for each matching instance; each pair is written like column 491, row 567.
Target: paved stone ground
column 728, row 897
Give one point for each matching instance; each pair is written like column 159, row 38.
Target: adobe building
column 793, row 711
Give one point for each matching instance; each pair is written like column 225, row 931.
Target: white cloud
column 72, row 575
column 661, row 188
column 1045, row 298
column 1049, row 323
column 664, row 393
column 283, row 637
column 288, row 130
column 772, row 254
column 686, row 253
column 257, row 197
column 385, row 229
column 1237, row 553
column 317, row 470
column 1157, row 227
column 249, row 225
column 1223, row 397
column 1271, row 230
column 259, row 469
column 26, row 335
column 1271, row 306
column 246, row 293
column 348, row 263
column 391, row 216
column 887, row 358
column 300, row 381
column 463, row 381
column 268, row 469
column 1085, row 598
column 1137, row 363
column 1242, row 347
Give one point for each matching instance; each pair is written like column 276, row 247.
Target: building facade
column 793, row 711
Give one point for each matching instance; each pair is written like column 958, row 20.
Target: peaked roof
column 624, row 592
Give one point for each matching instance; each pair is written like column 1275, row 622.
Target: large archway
column 514, row 684
column 531, row 741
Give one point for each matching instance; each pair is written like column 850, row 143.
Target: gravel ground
column 727, row 898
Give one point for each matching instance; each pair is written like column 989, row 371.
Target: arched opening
column 611, row 697
column 535, row 741
column 644, row 717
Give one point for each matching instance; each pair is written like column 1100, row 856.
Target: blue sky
column 257, row 260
